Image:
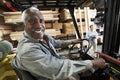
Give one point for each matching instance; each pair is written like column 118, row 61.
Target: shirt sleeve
column 96, row 33
column 41, row 64
column 87, row 35
column 60, row 43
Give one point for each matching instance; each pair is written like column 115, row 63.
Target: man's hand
column 93, row 36
column 75, row 41
column 99, row 63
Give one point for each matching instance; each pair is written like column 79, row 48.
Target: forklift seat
column 22, row 74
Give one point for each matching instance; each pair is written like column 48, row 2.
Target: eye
column 32, row 20
column 41, row 21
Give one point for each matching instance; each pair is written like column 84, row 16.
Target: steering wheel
column 80, row 52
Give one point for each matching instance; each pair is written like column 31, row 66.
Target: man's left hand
column 75, row 41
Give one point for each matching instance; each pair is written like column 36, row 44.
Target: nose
column 38, row 24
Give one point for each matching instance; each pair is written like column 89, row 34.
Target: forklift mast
column 111, row 38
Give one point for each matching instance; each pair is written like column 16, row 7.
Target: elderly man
column 36, row 52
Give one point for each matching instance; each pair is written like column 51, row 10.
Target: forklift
column 111, row 40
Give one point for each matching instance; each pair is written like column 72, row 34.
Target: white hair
column 26, row 12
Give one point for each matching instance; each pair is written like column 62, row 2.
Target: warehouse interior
column 65, row 20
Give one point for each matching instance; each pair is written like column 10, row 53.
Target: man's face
column 35, row 26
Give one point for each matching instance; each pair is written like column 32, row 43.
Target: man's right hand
column 99, row 63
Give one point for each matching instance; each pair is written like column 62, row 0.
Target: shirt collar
column 28, row 36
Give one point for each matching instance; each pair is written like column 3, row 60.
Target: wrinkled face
column 35, row 26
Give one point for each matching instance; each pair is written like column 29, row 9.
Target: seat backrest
column 22, row 74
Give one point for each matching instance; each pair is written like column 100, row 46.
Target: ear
column 26, row 24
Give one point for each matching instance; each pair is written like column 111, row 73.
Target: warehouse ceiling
column 20, row 5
